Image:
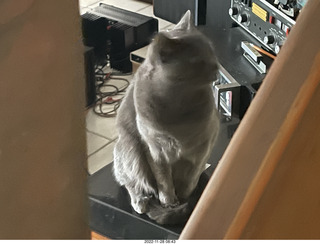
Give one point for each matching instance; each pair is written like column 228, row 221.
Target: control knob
column 233, row 11
column 269, row 39
column 277, row 48
column 242, row 18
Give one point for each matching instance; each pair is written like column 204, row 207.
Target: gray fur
column 167, row 122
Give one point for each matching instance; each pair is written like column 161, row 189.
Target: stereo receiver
column 269, row 21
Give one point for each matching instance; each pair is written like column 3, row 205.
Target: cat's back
column 173, row 93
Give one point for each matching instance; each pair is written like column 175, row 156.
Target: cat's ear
column 186, row 22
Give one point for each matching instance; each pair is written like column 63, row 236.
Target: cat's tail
column 169, row 215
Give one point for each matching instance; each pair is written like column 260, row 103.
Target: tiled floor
column 101, row 132
column 101, row 136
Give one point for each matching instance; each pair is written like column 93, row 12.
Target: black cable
column 118, row 73
column 106, row 98
column 117, row 78
column 97, row 109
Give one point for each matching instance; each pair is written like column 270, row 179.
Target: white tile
column 87, row 7
column 168, row 27
column 130, row 5
column 83, row 10
column 95, row 142
column 105, row 127
column 101, row 158
column 85, row 3
column 148, row 11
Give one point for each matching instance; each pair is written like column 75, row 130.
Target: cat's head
column 184, row 52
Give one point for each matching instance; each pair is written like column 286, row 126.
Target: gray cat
column 168, row 123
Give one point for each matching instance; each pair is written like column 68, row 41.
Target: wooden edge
column 275, row 152
column 96, row 236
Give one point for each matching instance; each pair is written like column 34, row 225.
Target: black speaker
column 218, row 14
column 94, row 34
column 173, row 10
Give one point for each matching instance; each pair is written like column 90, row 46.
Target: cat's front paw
column 168, row 201
column 140, row 205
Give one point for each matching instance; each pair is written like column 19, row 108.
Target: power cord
column 108, row 102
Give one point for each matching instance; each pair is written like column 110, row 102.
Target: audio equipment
column 269, row 21
column 115, row 32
